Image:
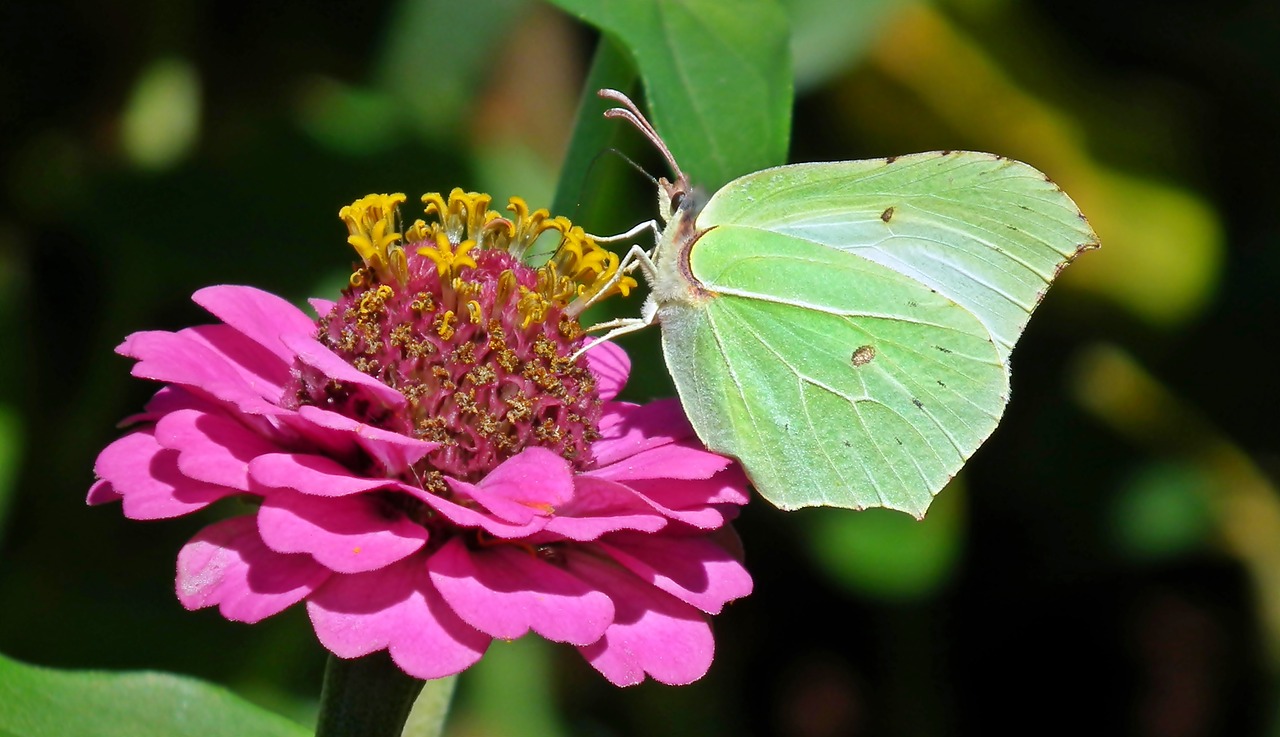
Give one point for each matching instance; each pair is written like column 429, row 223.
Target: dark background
column 1109, row 563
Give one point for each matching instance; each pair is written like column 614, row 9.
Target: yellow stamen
column 461, row 224
column 448, row 259
column 444, row 325
column 532, row 306
column 417, row 232
column 371, row 224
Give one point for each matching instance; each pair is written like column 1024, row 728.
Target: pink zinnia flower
column 428, row 466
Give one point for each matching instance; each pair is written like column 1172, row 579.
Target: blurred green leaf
column 436, row 56
column 887, row 554
column 162, row 119
column 41, row 702
column 717, row 76
column 350, row 120
column 1163, row 511
column 11, row 448
column 827, row 35
column 511, row 691
column 431, row 709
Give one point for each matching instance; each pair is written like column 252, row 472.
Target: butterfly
column 843, row 329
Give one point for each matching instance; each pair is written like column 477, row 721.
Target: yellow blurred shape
column 1245, row 505
column 1161, row 244
column 161, row 120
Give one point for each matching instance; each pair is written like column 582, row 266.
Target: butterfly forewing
column 988, row 232
column 836, row 381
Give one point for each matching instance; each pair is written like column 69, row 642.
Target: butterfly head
column 677, row 196
column 673, row 196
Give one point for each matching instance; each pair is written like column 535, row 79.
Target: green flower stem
column 372, row 697
column 610, row 67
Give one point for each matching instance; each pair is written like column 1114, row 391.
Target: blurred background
column 1109, row 562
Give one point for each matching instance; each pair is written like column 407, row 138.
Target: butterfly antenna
column 652, row 179
column 630, row 113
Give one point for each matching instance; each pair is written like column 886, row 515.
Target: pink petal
column 505, row 591
column 311, row 474
column 599, row 507
column 348, row 534
column 674, row 461
column 102, row 492
column 725, row 489
column 260, row 369
column 398, row 609
column 611, row 365
column 532, row 483
column 693, row 569
column 628, row 429
column 181, row 359
column 467, row 517
column 260, row 315
column 652, row 632
column 147, row 478
column 212, row 448
column 169, row 399
column 394, row 451
column 311, row 352
column 321, row 306
column 227, row 564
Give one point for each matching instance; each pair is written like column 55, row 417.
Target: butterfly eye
column 677, row 199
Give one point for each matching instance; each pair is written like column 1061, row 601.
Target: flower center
column 477, row 342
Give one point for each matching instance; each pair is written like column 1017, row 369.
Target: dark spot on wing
column 944, row 350
column 917, row 403
column 944, row 386
column 887, row 214
column 890, row 159
column 898, row 441
column 863, row 355
column 847, row 444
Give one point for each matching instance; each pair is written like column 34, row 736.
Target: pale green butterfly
column 843, row 329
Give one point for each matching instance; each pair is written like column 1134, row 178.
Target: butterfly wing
column 834, row 380
column 988, row 232
column 854, row 351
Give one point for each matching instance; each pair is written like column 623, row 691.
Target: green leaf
column 592, row 132
column 717, row 77
column 42, row 702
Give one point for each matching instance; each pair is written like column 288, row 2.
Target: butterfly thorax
column 674, row 282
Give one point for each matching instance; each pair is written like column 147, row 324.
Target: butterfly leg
column 636, row 256
column 621, row 326
column 650, row 225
